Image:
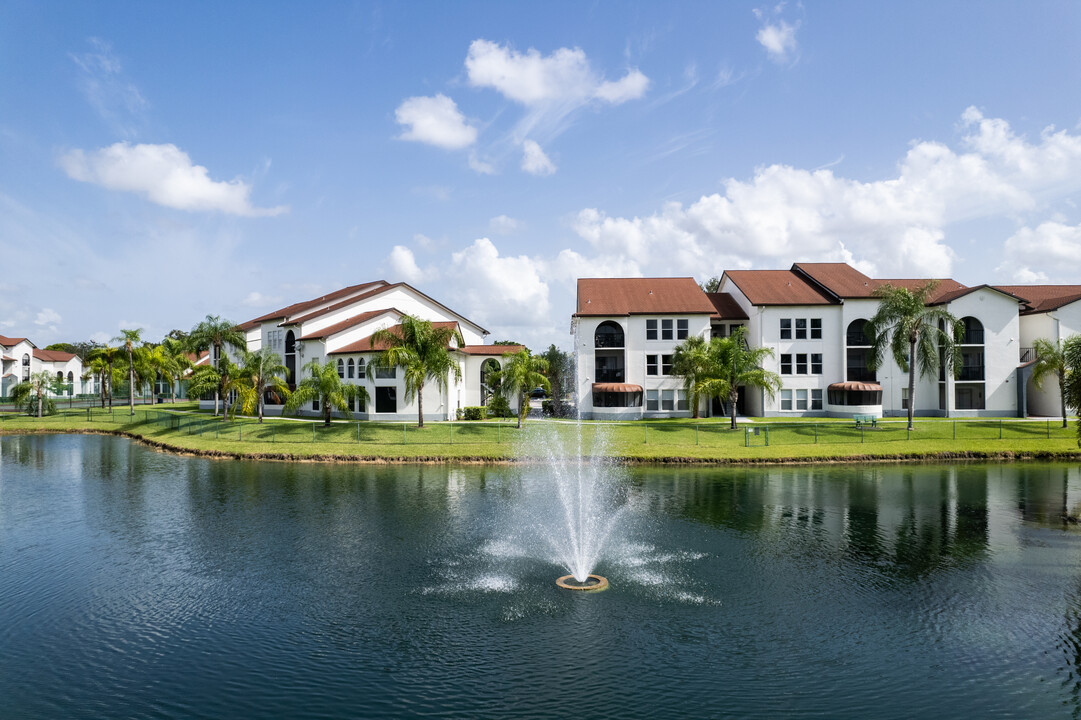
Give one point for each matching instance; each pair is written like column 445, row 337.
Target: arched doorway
column 488, row 386
column 291, row 360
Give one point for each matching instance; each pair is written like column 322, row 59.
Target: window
column 816, row 328
column 801, row 364
column 386, row 399
column 801, row 399
column 315, row 404
column 816, row 399
column 968, row 397
column 608, row 335
column 651, row 400
column 341, row 368
column 786, row 363
column 816, row 363
column 668, row 399
column 651, row 364
column 666, row 364
column 383, row 373
column 786, row 328
column 682, row 327
column 904, row 398
column 651, row 329
column 786, row 399
column 666, row 329
column 681, row 399
column 350, row 368
column 801, row 328
column 360, row 368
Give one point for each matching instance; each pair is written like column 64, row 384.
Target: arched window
column 608, row 335
column 350, row 368
column 290, row 359
column 487, row 386
column 26, row 368
column 360, row 367
column 341, row 368
column 858, row 352
column 969, row 389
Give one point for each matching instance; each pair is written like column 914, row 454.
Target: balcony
column 610, row 375
column 858, row 374
column 969, row 374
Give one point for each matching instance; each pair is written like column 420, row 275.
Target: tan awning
column 859, row 386
column 616, row 387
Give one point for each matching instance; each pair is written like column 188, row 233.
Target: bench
column 862, row 420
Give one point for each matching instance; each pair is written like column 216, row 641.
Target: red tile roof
column 641, row 296
column 301, row 307
column 946, row 290
column 53, row 355
column 778, row 287
column 493, row 350
column 9, row 341
column 726, row 307
column 365, row 343
column 1044, row 298
column 348, row 323
column 840, row 278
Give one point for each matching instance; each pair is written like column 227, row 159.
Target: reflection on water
column 134, row 583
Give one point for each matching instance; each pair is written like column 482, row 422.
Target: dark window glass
column 816, row 363
column 386, row 400
column 341, row 368
column 816, row 399
column 666, row 329
column 350, row 367
column 608, row 335
column 801, row 364
column 666, row 364
column 651, row 329
column 816, row 328
column 386, row 373
column 682, row 327
column 801, row 328
column 786, row 328
column 651, row 364
column 786, row 364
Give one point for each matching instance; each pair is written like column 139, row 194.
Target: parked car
column 538, row 393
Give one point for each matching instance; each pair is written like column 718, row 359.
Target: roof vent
column 650, row 292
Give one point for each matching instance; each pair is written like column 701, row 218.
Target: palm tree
column 214, row 334
column 908, row 327
column 693, row 361
column 324, row 385
column 1051, row 360
column 222, row 378
column 130, row 338
column 178, row 362
column 422, row 351
column 261, row 371
column 108, row 355
column 1071, row 349
column 738, row 365
column 98, row 367
column 522, row 371
column 36, row 388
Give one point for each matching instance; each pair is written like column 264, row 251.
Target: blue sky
column 159, row 162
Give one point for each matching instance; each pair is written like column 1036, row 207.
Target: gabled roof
column 365, row 343
column 1044, row 298
column 641, row 296
column 778, row 287
column 493, row 350
column 53, row 355
column 726, row 307
column 348, row 323
column 946, row 288
column 300, row 307
column 951, row 295
column 840, row 279
column 10, row 341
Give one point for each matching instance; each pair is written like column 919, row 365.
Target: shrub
column 499, row 407
column 474, row 413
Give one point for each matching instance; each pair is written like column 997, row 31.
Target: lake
column 140, row 584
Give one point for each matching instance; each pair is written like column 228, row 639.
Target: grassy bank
column 182, row 429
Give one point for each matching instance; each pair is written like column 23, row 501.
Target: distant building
column 338, row 328
column 21, row 359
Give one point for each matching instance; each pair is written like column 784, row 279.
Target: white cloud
column 778, row 39
column 533, row 79
column 500, row 291
column 895, row 225
column 257, row 299
column 435, row 121
column 503, row 225
column 163, row 174
column 481, row 166
column 47, row 316
column 534, row 161
column 105, row 86
column 1053, row 245
column 404, row 265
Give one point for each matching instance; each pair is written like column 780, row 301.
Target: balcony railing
column 1027, row 354
column 610, row 376
column 970, row 373
column 856, row 374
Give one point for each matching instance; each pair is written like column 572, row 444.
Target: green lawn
column 180, row 427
